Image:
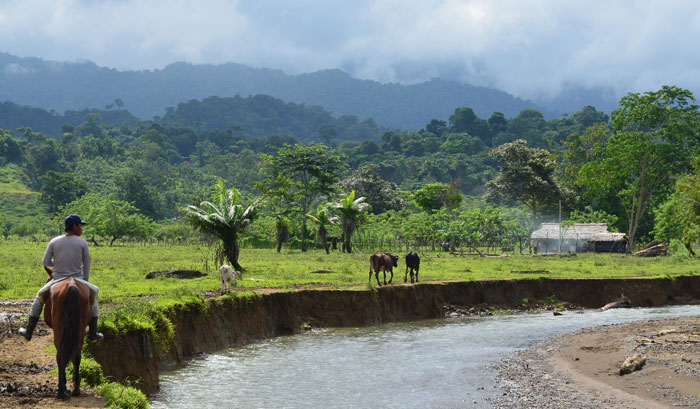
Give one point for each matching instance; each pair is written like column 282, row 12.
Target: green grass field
column 120, row 271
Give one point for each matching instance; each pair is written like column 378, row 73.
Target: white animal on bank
column 227, row 277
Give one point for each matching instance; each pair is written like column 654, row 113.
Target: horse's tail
column 69, row 344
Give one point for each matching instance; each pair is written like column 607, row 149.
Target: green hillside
column 16, row 199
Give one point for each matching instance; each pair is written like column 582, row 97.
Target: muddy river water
column 443, row 363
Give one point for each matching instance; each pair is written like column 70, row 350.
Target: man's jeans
column 43, row 294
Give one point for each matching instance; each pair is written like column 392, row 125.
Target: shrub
column 90, row 372
column 117, row 395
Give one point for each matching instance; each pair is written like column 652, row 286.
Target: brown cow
column 382, row 262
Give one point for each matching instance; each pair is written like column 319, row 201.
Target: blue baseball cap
column 72, row 219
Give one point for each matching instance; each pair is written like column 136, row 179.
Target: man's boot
column 31, row 324
column 93, row 335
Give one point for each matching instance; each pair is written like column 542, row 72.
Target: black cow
column 382, row 262
column 412, row 262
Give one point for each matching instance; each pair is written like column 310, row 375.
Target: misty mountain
column 572, row 98
column 64, row 86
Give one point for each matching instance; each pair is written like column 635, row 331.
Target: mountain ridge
column 63, row 86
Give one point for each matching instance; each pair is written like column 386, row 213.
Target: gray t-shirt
column 69, row 256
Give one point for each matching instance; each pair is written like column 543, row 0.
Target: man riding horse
column 69, row 256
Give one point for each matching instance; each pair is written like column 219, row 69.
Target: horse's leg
column 411, row 275
column 417, row 273
column 405, row 276
column 61, row 382
column 392, row 275
column 76, row 375
column 376, row 276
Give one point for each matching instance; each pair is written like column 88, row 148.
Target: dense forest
column 254, row 116
column 637, row 170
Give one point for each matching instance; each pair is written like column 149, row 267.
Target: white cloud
column 531, row 48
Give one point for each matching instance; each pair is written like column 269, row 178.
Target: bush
column 90, row 372
column 676, row 247
column 117, row 395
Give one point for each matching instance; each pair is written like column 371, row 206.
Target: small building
column 578, row 238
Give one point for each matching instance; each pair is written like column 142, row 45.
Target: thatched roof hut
column 578, row 238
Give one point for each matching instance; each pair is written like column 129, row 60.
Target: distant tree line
column 636, row 171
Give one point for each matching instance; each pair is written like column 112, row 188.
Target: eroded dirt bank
column 231, row 322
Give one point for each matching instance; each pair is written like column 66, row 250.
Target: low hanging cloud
column 530, row 48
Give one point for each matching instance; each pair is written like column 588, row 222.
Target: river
column 442, row 363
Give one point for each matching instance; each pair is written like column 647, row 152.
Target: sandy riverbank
column 581, row 370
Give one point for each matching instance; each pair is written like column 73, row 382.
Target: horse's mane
column 69, row 345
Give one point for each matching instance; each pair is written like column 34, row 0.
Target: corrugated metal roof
column 579, row 231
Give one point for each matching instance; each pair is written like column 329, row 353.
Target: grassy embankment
column 120, row 271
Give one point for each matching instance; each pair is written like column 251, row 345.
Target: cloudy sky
column 530, row 48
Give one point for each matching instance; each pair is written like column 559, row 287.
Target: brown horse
column 68, row 312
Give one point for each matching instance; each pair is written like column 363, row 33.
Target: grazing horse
column 412, row 262
column 382, row 262
column 68, row 312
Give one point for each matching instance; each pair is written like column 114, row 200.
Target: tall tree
column 679, row 216
column 224, row 218
column 654, row 137
column 677, row 219
column 350, row 210
column 59, row 188
column 434, row 196
column 132, row 188
column 111, row 218
column 281, row 198
column 526, row 176
column 381, row 194
column 312, row 172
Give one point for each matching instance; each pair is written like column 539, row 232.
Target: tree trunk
column 232, row 251
column 691, row 252
column 113, row 239
column 303, row 234
column 348, row 239
column 322, row 233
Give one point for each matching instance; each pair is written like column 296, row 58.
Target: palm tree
column 350, row 210
column 323, row 219
column 224, row 218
